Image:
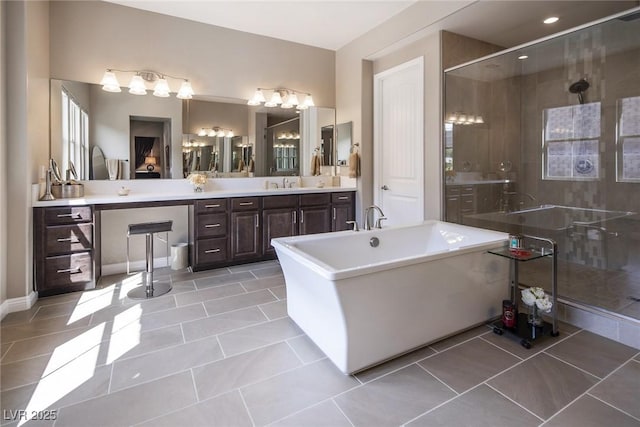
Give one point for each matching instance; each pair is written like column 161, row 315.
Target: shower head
column 579, row 87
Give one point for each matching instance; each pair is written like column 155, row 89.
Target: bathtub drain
column 374, row 242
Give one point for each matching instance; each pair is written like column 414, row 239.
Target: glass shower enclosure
column 544, row 139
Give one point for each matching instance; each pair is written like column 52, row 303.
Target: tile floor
column 219, row 350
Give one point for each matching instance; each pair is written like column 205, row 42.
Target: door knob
column 384, row 187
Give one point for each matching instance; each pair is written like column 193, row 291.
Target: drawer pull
column 257, row 221
column 301, row 216
column 294, row 215
column 343, row 198
column 68, row 239
column 246, row 203
column 334, row 214
column 212, row 251
column 211, row 225
column 71, row 215
column 69, row 270
column 211, row 206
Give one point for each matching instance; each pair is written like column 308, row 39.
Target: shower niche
column 563, row 114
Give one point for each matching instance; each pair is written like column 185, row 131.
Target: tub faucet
column 368, row 217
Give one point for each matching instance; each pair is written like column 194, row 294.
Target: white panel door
column 398, row 142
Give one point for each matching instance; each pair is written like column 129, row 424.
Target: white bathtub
column 363, row 305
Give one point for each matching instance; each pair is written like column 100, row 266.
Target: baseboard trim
column 134, row 266
column 12, row 305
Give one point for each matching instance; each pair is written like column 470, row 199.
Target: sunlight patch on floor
column 126, row 333
column 92, row 302
column 71, row 365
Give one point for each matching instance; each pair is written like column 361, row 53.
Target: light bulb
column 136, row 86
column 186, row 91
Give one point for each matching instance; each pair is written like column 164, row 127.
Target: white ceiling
column 331, row 24
column 325, row 24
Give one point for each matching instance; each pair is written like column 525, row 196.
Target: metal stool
column 149, row 289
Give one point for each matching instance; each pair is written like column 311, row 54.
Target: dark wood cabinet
column 245, row 229
column 314, row 213
column 64, row 254
column 222, row 232
column 211, row 228
column 342, row 205
column 279, row 219
column 460, row 200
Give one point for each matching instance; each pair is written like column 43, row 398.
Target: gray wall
column 3, row 151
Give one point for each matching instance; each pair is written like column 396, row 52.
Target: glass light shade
column 293, row 99
column 136, row 86
column 109, row 82
column 162, row 88
column 479, row 119
column 230, row 134
column 212, row 133
column 257, row 98
column 286, row 104
column 276, row 98
column 308, row 101
column 186, row 91
column 203, row 132
column 221, row 133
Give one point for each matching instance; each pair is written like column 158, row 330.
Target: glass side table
column 523, row 330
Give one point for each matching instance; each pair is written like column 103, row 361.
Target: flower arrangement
column 198, row 180
column 536, row 296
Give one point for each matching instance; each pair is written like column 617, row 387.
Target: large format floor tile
column 622, row 389
column 394, row 399
column 480, row 407
column 468, row 364
column 220, row 350
column 542, row 384
column 246, row 368
column 593, row 353
column 590, row 412
column 279, row 396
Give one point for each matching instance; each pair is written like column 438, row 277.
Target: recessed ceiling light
column 522, row 57
column 551, row 20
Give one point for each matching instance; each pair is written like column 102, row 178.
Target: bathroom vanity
column 227, row 226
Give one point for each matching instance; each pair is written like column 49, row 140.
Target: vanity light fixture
column 137, row 85
column 283, row 97
column 216, row 131
column 551, row 20
column 464, row 119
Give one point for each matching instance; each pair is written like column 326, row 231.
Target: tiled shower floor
column 219, row 350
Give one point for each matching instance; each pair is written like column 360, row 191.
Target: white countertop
column 481, row 181
column 106, row 192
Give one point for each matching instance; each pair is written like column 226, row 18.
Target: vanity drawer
column 275, row 202
column 211, row 250
column 212, row 205
column 68, row 215
column 341, row 197
column 322, row 199
column 212, row 225
column 245, row 203
column 63, row 239
column 67, row 270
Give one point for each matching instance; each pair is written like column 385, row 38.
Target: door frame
column 378, row 79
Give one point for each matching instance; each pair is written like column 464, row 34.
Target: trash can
column 179, row 256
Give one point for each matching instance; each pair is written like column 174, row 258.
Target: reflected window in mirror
column 75, row 135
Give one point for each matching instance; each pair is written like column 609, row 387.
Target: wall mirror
column 150, row 137
column 343, row 143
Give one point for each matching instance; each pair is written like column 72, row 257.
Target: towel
column 252, row 166
column 354, row 165
column 315, row 165
column 241, row 165
column 113, row 168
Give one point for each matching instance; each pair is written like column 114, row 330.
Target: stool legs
column 149, row 289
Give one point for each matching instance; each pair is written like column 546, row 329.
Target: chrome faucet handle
column 355, row 225
column 379, row 221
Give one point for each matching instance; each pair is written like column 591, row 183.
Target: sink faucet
column 285, row 182
column 368, row 217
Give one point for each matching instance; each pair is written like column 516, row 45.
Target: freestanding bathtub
column 363, row 304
